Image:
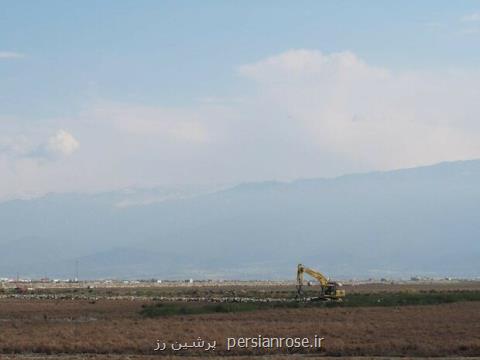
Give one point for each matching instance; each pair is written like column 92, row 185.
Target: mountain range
column 417, row 221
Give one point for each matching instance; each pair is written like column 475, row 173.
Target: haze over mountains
column 420, row 221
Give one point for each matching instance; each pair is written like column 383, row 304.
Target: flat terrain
column 234, row 357
column 257, row 357
column 36, row 328
column 263, row 289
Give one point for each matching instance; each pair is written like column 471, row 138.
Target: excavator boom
column 329, row 289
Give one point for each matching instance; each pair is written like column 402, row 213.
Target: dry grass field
column 256, row 357
column 114, row 329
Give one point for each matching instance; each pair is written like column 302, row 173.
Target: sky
column 102, row 95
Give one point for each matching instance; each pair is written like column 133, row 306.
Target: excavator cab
column 333, row 290
column 330, row 289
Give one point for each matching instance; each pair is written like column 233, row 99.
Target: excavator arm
column 329, row 289
column 315, row 274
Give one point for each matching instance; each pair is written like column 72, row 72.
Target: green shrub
column 351, row 300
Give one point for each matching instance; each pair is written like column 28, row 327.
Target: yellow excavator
column 329, row 290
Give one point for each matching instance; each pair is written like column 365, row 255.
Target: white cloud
column 303, row 64
column 11, row 55
column 301, row 113
column 61, row 144
column 305, row 114
column 31, row 164
column 370, row 115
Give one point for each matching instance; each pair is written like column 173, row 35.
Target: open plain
column 113, row 323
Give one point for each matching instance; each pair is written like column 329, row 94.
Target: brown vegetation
column 115, row 327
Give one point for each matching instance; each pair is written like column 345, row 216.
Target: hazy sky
column 106, row 94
